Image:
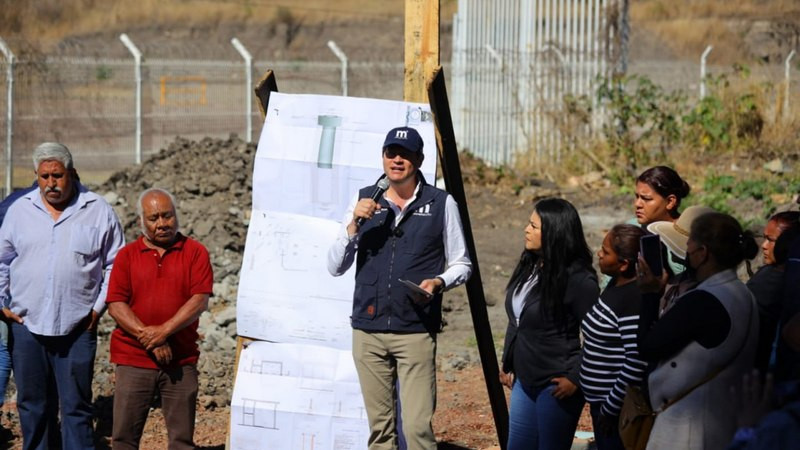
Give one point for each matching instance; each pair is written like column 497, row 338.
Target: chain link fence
column 685, row 75
column 89, row 104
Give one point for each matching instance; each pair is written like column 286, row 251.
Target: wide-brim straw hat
column 675, row 234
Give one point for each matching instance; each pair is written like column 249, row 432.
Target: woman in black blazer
column 551, row 289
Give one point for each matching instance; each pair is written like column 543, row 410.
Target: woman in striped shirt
column 610, row 354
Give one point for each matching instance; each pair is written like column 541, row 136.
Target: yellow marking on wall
column 188, row 90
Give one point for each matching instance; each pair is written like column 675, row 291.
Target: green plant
column 642, row 124
column 103, row 73
column 727, row 118
column 641, row 118
column 708, row 125
column 750, row 200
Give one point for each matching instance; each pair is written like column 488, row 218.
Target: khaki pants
column 383, row 358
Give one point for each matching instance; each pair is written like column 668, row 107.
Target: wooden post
column 451, row 171
column 421, row 48
column 421, row 65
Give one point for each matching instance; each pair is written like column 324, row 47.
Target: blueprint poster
column 315, row 152
column 299, row 390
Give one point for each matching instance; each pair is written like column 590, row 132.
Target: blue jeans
column 605, row 441
column 537, row 420
column 5, row 361
column 48, row 365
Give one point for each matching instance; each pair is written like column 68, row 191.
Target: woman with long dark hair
column 550, row 291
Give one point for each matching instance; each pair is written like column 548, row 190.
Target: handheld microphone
column 380, row 187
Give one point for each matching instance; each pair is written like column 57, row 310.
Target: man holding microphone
column 409, row 235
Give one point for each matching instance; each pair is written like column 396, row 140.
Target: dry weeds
column 688, row 26
column 52, row 20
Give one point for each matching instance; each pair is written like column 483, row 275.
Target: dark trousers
column 133, row 394
column 53, row 370
column 605, row 441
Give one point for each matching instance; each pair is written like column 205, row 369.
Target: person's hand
column 9, row 315
column 153, row 336
column 94, row 319
column 606, row 424
column 433, row 286
column 507, row 379
column 564, row 387
column 647, row 281
column 163, row 354
column 365, row 208
column 753, row 399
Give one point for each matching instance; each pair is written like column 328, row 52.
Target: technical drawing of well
column 327, row 141
column 281, row 243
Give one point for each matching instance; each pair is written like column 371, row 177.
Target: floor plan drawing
column 286, row 391
column 265, row 367
column 259, row 413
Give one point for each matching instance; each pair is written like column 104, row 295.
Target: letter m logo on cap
column 401, row 134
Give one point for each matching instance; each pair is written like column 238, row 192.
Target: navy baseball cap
column 405, row 137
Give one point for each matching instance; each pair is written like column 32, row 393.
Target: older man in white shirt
column 57, row 246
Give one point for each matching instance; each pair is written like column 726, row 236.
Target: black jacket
column 538, row 349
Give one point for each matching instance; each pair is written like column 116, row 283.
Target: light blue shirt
column 53, row 273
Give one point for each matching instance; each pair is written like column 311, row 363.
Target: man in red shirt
column 159, row 286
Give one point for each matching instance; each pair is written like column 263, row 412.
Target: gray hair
column 140, row 209
column 52, row 151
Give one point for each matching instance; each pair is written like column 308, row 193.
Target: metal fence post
column 787, row 91
column 248, row 64
column 137, row 59
column 343, row 58
column 9, row 115
column 703, row 71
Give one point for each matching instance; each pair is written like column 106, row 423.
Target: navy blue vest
column 414, row 250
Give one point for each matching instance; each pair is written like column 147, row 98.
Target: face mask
column 692, row 271
column 688, row 272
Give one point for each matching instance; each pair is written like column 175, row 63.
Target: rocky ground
column 211, row 181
